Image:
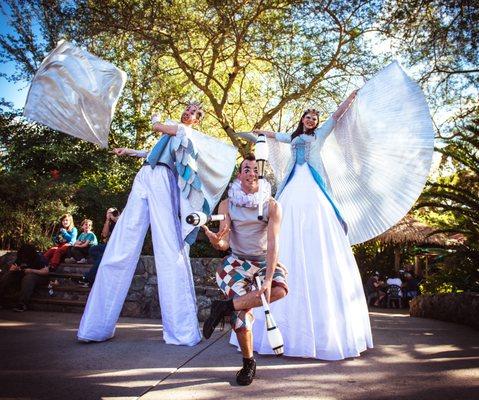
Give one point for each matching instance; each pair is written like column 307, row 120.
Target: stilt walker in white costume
column 254, row 252
column 345, row 182
column 173, row 182
column 75, row 92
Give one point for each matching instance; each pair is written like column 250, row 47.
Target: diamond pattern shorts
column 235, row 278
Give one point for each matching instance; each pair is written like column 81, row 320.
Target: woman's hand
column 122, row 151
column 155, row 118
column 345, row 105
column 268, row 134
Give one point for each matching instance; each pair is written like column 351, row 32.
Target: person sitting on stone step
column 96, row 252
column 79, row 251
column 29, row 270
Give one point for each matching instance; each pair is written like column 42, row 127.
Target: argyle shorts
column 236, row 277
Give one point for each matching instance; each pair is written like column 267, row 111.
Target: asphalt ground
column 413, row 359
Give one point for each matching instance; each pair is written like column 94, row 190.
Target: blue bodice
column 301, row 147
column 306, row 149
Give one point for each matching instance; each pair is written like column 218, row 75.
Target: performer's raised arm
column 191, row 116
column 279, row 136
column 343, row 107
column 124, row 151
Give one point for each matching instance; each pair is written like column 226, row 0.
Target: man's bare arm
column 274, row 224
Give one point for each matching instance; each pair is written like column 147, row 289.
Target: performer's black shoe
column 219, row 310
column 245, row 375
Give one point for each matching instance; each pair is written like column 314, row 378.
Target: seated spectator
column 79, row 251
column 63, row 239
column 29, row 270
column 411, row 287
column 96, row 252
column 395, row 280
column 373, row 289
column 394, row 291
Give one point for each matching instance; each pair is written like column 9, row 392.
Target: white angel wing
column 379, row 155
column 216, row 162
column 75, row 92
column 279, row 154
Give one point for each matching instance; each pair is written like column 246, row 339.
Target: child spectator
column 63, row 239
column 29, row 270
column 79, row 251
column 96, row 252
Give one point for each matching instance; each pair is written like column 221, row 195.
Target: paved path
column 413, row 359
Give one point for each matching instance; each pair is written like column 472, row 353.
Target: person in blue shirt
column 79, row 251
column 62, row 239
column 96, row 252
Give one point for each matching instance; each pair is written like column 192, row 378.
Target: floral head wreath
column 311, row 111
column 199, row 112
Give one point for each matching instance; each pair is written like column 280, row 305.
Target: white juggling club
column 275, row 338
column 261, row 155
column 199, row 218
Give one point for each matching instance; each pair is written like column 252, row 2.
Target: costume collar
column 238, row 197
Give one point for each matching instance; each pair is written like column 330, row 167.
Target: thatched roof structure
column 411, row 231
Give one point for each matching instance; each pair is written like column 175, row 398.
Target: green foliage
column 440, row 39
column 29, row 205
column 374, row 256
column 456, row 273
column 451, row 200
column 44, row 174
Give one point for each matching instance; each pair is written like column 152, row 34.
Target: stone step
column 64, row 275
column 67, row 292
column 73, row 268
column 89, row 265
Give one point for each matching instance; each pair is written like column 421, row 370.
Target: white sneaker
column 70, row 260
column 82, row 261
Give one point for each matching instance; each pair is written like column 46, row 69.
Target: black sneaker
column 245, row 375
column 219, row 310
column 20, row 308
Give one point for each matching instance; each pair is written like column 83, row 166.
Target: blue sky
column 12, row 92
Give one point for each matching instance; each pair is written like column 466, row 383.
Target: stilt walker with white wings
column 339, row 184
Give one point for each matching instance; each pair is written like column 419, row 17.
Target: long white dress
column 325, row 314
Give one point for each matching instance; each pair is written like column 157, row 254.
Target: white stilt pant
column 149, row 202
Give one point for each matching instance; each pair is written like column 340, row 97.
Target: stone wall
column 142, row 298
column 462, row 308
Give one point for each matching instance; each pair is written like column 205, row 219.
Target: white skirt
column 325, row 314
